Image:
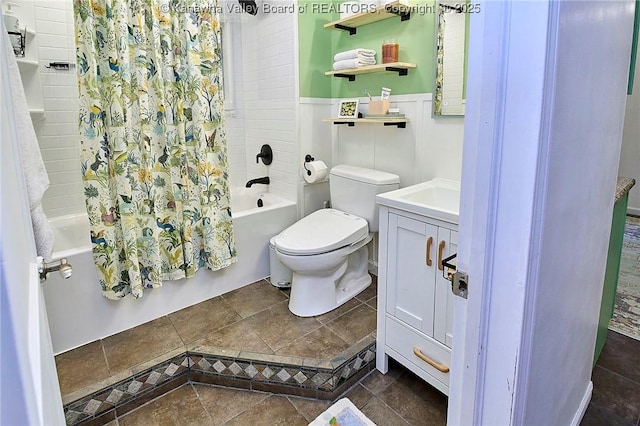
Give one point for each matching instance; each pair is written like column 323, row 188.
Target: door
column 411, row 271
column 500, row 159
column 539, row 167
column 443, row 315
column 29, row 388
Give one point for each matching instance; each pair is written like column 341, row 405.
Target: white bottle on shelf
column 28, row 61
column 12, row 24
column 11, row 21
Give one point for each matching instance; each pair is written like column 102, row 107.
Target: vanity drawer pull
column 429, row 242
column 440, row 249
column 440, row 367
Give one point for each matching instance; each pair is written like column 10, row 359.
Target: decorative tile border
column 271, row 373
column 99, row 403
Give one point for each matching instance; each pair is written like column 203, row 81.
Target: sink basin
column 436, row 198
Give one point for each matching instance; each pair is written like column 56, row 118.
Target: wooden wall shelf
column 401, row 123
column 402, row 68
column 386, row 11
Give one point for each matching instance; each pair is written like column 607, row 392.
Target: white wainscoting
column 427, row 148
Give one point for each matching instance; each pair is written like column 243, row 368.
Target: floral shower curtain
column 154, row 157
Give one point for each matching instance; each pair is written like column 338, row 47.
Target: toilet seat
column 322, row 231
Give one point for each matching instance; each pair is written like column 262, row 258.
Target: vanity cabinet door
column 443, row 314
column 411, row 272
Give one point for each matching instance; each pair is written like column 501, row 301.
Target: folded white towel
column 35, row 175
column 361, row 58
column 354, row 54
column 352, row 63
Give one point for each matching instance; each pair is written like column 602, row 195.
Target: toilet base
column 329, row 292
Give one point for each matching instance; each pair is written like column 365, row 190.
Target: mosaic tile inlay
column 274, row 376
column 107, row 399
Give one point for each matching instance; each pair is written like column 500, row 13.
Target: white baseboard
column 633, row 211
column 577, row 418
column 373, row 267
column 315, row 101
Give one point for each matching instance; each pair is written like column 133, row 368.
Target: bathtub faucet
column 266, row 154
column 264, row 180
column 61, row 266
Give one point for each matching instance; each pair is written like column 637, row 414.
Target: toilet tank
column 354, row 189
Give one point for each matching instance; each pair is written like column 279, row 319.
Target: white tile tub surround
column 58, row 133
column 264, row 104
column 270, row 98
column 236, row 149
column 79, row 314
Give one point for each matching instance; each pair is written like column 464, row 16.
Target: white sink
column 436, row 198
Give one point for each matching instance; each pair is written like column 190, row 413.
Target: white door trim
column 523, row 328
column 30, row 393
column 500, row 160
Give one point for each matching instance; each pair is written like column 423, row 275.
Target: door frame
column 30, row 389
column 498, row 191
column 504, row 210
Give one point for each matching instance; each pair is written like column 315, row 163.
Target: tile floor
column 397, row 398
column 616, row 384
column 256, row 318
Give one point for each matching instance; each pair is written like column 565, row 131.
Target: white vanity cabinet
column 415, row 302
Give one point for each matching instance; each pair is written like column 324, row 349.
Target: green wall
column 634, row 48
column 313, row 44
column 317, row 46
column 611, row 273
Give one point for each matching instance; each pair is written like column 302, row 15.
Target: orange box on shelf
column 379, row 107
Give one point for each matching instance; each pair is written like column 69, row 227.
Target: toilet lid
column 322, row 231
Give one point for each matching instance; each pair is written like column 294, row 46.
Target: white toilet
column 327, row 250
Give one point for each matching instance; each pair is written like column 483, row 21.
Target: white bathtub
column 79, row 314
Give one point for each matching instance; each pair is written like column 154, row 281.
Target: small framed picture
column 348, row 108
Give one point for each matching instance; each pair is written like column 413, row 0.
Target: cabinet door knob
column 429, row 243
column 440, row 250
column 440, row 367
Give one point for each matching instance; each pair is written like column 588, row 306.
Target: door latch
column 460, row 284
column 459, row 280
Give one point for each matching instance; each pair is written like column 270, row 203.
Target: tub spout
column 263, row 180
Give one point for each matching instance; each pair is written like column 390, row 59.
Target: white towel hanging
column 35, row 174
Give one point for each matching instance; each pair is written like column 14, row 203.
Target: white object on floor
column 344, row 413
